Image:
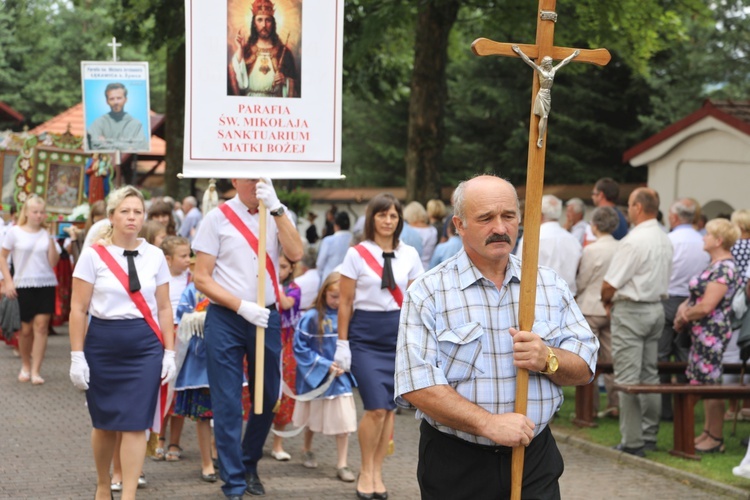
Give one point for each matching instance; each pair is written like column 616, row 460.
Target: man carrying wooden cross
column 466, row 344
column 459, row 348
column 226, row 271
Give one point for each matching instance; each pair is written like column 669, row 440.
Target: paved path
column 45, row 453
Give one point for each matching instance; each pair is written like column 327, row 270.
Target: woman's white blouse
column 29, row 254
column 110, row 300
column 368, row 295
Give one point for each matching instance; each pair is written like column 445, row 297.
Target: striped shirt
column 454, row 330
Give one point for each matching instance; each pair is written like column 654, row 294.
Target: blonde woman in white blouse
column 123, row 353
column 35, row 254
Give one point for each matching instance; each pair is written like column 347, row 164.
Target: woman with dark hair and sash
column 374, row 276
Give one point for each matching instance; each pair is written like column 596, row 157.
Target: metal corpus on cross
column 541, row 52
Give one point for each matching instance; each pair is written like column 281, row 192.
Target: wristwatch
column 278, row 211
column 552, row 363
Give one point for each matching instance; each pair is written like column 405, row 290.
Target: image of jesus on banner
column 263, row 44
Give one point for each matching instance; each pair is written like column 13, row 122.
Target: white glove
column 168, row 367
column 79, row 370
column 265, row 192
column 343, row 356
column 253, row 313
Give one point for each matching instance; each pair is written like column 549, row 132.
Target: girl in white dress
column 35, row 254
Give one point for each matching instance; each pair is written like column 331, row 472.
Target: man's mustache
column 497, row 238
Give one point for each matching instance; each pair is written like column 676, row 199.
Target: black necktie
column 388, row 281
column 135, row 285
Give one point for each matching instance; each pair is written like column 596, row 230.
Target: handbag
column 743, row 339
column 739, row 307
column 10, row 317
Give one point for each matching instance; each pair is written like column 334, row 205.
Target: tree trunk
column 175, row 125
column 429, row 93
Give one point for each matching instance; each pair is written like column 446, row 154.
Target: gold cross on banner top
column 539, row 56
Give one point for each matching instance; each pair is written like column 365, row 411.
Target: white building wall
column 711, row 165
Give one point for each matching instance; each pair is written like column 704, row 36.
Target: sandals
column 701, row 437
column 173, row 455
column 159, row 454
column 719, row 448
column 24, row 376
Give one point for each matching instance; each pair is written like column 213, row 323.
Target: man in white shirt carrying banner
column 250, row 138
column 225, row 274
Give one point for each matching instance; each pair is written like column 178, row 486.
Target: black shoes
column 649, row 446
column 254, row 486
column 638, row 452
column 209, row 478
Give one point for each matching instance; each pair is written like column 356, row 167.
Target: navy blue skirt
column 124, row 358
column 372, row 340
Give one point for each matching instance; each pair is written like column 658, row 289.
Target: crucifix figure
column 543, row 100
column 543, row 52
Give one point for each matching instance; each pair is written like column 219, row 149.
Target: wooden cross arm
column 486, row 47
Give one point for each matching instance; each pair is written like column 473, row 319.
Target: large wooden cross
column 544, row 46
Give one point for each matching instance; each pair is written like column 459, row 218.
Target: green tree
column 161, row 26
column 429, row 94
column 42, row 43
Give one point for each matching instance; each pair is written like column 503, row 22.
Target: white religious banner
column 263, row 88
column 116, row 108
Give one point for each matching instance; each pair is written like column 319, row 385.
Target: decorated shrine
column 49, row 161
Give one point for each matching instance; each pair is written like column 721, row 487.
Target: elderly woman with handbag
column 707, row 315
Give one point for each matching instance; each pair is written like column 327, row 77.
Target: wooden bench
column 585, row 394
column 685, row 397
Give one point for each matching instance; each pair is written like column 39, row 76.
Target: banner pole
column 260, row 333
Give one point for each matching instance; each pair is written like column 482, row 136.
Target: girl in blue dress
column 192, row 394
column 332, row 413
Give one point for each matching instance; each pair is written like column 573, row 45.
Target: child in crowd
column 290, row 296
column 192, row 394
column 177, row 252
column 332, row 413
column 154, row 232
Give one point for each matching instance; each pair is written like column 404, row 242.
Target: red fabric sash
column 136, row 297
column 235, row 220
column 398, row 296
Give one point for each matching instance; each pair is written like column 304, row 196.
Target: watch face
column 552, row 363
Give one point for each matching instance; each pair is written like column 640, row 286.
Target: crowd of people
column 409, row 305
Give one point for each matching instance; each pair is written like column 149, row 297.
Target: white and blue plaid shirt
column 454, row 330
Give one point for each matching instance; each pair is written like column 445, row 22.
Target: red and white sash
column 137, row 297
column 140, row 303
column 252, row 240
column 372, row 262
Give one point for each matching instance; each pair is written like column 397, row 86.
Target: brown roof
column 733, row 113
column 71, row 120
column 9, row 114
